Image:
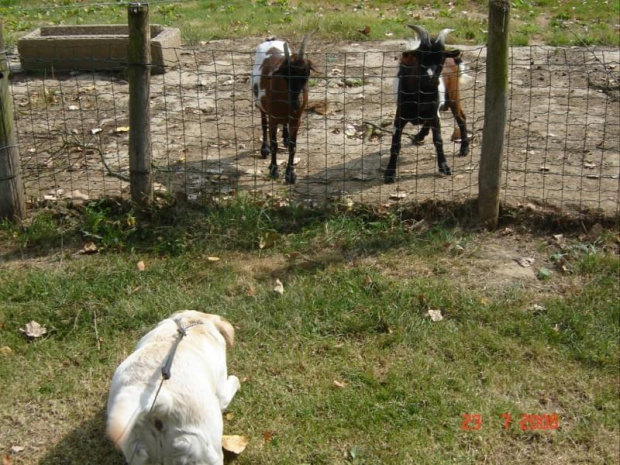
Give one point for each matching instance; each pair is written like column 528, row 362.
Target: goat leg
column 264, row 150
column 285, row 137
column 290, row 177
column 460, row 120
column 418, row 139
column 273, row 166
column 438, row 142
column 390, row 171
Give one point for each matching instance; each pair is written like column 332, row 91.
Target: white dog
column 182, row 424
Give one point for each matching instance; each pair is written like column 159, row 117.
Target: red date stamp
column 529, row 421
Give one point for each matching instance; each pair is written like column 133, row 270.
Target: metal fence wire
column 562, row 142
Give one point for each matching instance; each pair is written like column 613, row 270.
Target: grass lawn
column 552, row 22
column 345, row 366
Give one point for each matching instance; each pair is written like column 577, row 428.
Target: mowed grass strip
column 344, row 367
column 569, row 22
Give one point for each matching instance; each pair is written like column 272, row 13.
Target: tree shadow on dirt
column 357, row 177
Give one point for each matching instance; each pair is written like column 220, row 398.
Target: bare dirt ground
column 562, row 143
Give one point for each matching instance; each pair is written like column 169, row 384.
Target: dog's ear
column 225, row 329
column 123, row 412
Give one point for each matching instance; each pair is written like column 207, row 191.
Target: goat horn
column 304, row 42
column 421, row 32
column 287, row 54
column 441, row 37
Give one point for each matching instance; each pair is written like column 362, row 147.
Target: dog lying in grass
column 182, row 423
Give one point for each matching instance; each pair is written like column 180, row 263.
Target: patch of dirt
column 497, row 264
column 562, row 141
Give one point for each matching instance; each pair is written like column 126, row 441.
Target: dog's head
column 192, row 317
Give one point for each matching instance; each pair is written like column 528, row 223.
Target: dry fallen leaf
column 95, row 131
column 267, row 239
column 434, row 315
column 398, row 195
column 141, row 266
column 17, row 449
column 339, row 384
column 268, row 435
column 229, row 416
column 6, row 351
column 350, row 131
column 525, row 262
column 279, row 287
column 6, row 460
column 89, row 249
column 77, row 195
column 235, row 444
column 536, row 308
column 121, row 129
column 213, row 259
column 33, row 330
column 365, row 31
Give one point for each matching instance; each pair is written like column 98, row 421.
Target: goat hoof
column 389, row 178
column 290, row 177
column 445, row 169
column 464, row 152
column 264, row 154
column 273, row 171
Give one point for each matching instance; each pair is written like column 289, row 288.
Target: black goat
column 427, row 83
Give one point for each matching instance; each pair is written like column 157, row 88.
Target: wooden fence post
column 12, row 200
column 139, row 53
column 495, row 106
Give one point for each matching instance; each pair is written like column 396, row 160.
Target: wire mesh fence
column 562, row 142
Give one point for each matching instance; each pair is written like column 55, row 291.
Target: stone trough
column 93, row 48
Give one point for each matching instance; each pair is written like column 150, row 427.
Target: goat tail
column 225, row 329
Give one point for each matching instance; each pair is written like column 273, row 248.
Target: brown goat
column 279, row 86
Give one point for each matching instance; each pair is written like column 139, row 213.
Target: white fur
column 185, row 426
column 463, row 76
column 441, row 88
column 261, row 55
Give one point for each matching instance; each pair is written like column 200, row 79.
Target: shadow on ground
column 86, row 444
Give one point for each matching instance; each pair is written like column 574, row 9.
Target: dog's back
column 182, row 423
